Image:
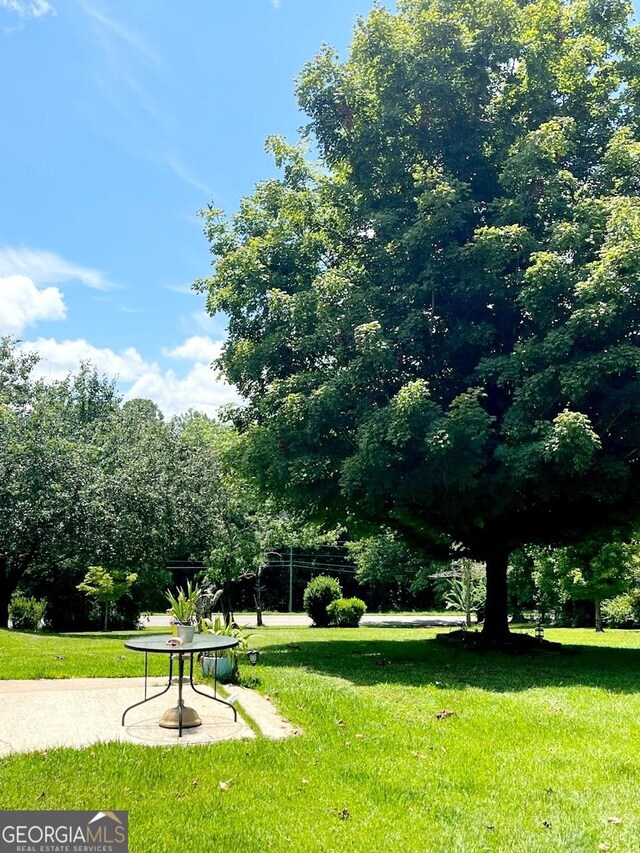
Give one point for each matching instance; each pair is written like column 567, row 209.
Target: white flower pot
column 186, row 633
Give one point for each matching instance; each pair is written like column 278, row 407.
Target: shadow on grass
column 424, row 661
column 123, row 634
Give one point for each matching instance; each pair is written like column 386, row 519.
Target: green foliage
column 394, row 574
column 86, row 479
column 465, row 591
column 597, row 571
column 623, row 611
column 241, row 530
column 346, row 612
column 436, row 328
column 318, row 595
column 26, row 613
column 107, row 586
column 223, row 629
column 184, row 606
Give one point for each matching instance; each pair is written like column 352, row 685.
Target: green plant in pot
column 184, row 610
column 224, row 665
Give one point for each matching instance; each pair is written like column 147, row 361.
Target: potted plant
column 224, row 664
column 184, row 610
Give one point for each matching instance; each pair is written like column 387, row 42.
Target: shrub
column 318, row 595
column 26, row 613
column 621, row 611
column 346, row 612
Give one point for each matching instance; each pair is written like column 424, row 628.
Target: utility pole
column 290, row 578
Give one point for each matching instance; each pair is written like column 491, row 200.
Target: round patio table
column 180, row 717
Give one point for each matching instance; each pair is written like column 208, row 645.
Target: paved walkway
column 78, row 712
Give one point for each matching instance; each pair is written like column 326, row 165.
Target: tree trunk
column 466, row 581
column 106, row 616
column 259, row 622
column 496, row 619
column 7, row 587
column 5, row 598
column 599, row 626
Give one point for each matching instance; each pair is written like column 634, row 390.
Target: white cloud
column 199, row 389
column 182, row 171
column 276, row 3
column 199, row 321
column 28, row 8
column 112, row 27
column 44, row 267
column 198, row 348
column 183, row 289
column 58, row 358
column 22, row 304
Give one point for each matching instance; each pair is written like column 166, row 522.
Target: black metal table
column 157, row 644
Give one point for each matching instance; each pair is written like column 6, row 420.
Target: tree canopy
column 436, row 326
column 89, row 481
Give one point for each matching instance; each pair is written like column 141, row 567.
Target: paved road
column 370, row 620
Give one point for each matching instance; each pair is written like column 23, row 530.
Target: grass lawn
column 540, row 753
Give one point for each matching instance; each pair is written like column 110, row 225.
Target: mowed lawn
column 405, row 745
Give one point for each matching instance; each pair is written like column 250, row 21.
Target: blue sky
column 120, row 121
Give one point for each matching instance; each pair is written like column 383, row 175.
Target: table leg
column 215, row 697
column 155, row 696
column 181, row 674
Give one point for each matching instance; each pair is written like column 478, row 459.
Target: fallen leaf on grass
column 359, row 737
column 546, row 824
column 304, row 781
column 195, row 783
column 444, row 714
column 553, row 750
column 343, row 814
column 60, row 657
column 490, row 826
column 614, row 820
column 341, row 723
column 418, row 754
column 604, row 846
column 41, row 795
column 224, row 786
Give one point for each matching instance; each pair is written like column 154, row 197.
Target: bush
column 621, row 611
column 318, row 595
column 26, row 613
column 346, row 612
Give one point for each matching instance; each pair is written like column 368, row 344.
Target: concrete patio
column 79, row 712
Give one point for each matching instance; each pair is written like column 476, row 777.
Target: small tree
column 107, row 587
column 467, row 589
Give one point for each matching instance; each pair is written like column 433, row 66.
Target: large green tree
column 436, row 327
